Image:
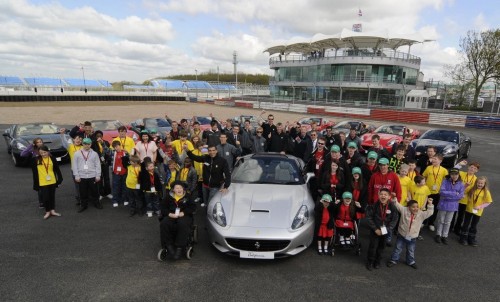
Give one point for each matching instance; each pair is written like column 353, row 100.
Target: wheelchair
column 189, row 251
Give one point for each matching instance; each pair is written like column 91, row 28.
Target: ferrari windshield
column 441, row 135
column 267, row 170
column 36, row 129
column 106, row 125
column 391, row 129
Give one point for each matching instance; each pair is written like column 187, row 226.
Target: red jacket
column 378, row 181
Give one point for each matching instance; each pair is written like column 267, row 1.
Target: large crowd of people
column 167, row 174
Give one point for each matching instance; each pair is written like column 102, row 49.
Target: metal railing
column 385, row 53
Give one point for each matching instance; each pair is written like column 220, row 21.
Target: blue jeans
column 401, row 242
column 208, row 193
column 119, row 192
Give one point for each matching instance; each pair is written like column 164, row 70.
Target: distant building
column 350, row 67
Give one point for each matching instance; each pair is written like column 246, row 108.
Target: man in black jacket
column 216, row 174
column 382, row 217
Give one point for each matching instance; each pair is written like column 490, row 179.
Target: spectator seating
column 10, row 81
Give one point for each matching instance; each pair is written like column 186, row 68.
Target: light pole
column 218, row 82
column 196, row 85
column 368, row 105
column 84, row 83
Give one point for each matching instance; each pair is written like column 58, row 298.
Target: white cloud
column 480, row 23
column 50, row 39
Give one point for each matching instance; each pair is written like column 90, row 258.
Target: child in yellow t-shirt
column 135, row 196
column 478, row 198
column 405, row 182
column 434, row 175
column 469, row 179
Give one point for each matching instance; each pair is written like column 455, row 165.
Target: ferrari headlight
column 301, row 218
column 219, row 215
column 391, row 142
column 20, row 146
column 447, row 150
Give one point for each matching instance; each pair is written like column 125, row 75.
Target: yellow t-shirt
column 479, row 197
column 127, row 144
column 412, row 175
column 434, row 177
column 468, row 181
column 405, row 189
column 46, row 167
column 197, row 165
column 72, row 149
column 420, row 194
column 132, row 176
column 177, row 145
column 173, row 175
column 183, row 174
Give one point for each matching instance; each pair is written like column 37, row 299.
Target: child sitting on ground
column 411, row 218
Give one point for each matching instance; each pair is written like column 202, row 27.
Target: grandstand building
column 355, row 68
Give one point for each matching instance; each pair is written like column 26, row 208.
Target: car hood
column 420, row 145
column 264, row 205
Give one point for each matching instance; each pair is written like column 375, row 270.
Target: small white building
column 417, row 99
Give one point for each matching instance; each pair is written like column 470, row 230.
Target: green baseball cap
column 152, row 131
column 326, row 197
column 372, row 154
column 347, row 195
column 87, row 141
column 145, row 131
column 335, row 148
column 383, row 161
column 352, row 145
column 356, row 170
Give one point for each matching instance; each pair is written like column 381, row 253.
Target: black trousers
column 88, row 191
column 48, row 195
column 456, row 224
column 104, row 186
column 175, row 231
column 376, row 247
column 469, row 227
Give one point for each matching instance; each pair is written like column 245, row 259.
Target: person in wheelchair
column 176, row 220
column 345, row 215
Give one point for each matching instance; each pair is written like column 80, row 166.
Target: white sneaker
column 432, row 228
column 125, row 203
column 110, row 196
column 341, row 240
column 150, row 214
column 115, row 205
column 202, row 204
column 100, row 197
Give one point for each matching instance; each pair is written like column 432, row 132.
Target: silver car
column 267, row 211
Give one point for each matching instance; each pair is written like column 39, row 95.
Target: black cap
column 453, row 171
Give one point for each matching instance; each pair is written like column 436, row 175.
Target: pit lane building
column 357, row 68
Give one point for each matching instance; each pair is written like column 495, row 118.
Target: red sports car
column 320, row 121
column 109, row 129
column 390, row 135
column 203, row 120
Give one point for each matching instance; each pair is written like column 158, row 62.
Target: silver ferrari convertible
column 267, row 211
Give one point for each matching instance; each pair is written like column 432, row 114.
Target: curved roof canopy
column 346, row 39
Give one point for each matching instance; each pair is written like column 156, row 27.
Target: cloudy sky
column 137, row 40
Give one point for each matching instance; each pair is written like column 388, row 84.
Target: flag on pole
column 360, row 13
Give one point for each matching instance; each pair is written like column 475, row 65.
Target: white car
column 267, row 211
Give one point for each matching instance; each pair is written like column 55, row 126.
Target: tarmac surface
column 103, row 255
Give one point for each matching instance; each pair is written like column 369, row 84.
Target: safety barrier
column 482, row 122
column 418, row 117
